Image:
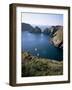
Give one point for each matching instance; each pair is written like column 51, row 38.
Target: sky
column 42, row 19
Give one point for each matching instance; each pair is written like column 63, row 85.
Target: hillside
column 34, row 66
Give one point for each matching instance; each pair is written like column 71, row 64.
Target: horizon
column 42, row 24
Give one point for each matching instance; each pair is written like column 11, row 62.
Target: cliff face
column 37, row 30
column 51, row 30
column 56, row 33
column 27, row 27
column 30, row 28
column 47, row 31
column 58, row 37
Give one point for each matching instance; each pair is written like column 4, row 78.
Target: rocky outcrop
column 58, row 38
column 51, row 30
column 27, row 27
column 37, row 30
column 30, row 28
column 47, row 31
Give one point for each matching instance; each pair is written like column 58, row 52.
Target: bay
column 39, row 44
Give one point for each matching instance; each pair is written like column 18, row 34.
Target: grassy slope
column 34, row 66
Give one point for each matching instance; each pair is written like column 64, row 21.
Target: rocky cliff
column 30, row 28
column 57, row 38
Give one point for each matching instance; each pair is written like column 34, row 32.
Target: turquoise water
column 40, row 45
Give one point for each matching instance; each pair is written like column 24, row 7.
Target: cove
column 39, row 44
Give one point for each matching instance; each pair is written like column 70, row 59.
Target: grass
column 34, row 66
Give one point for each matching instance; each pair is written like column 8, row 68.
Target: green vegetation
column 34, row 66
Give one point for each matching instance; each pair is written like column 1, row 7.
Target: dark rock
column 27, row 27
column 37, row 29
column 47, row 31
